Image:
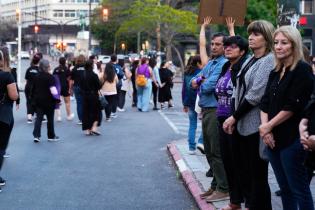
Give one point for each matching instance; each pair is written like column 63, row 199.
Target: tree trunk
column 169, row 56
column 182, row 65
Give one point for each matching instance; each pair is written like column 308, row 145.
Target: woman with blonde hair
column 251, row 82
column 8, row 94
column 289, row 89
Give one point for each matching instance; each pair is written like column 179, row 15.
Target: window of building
column 95, row 1
column 83, row 13
column 69, row 1
column 81, row 1
column 307, row 6
column 57, row 13
column 69, row 13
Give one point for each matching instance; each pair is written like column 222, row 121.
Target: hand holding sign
column 220, row 9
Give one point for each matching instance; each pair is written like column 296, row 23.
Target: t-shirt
column 41, row 90
column 63, row 74
column 77, row 74
column 6, row 78
column 31, row 72
column 224, row 91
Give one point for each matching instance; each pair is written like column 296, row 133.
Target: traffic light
column 105, row 14
column 17, row 15
column 36, row 29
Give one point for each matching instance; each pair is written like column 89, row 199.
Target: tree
column 148, row 15
column 8, row 31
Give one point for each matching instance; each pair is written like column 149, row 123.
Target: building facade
column 57, row 20
column 307, row 24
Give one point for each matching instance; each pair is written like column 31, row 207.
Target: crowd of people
column 96, row 87
column 256, row 109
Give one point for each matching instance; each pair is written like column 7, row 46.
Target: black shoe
column 155, row 109
column 278, row 193
column 209, row 173
column 2, row 182
column 140, row 110
column 36, row 139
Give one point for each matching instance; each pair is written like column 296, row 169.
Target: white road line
column 169, row 122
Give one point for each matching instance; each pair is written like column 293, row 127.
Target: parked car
column 104, row 58
column 25, row 55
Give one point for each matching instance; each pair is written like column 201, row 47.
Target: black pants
column 5, row 132
column 121, row 99
column 253, row 172
column 134, row 93
column 112, row 102
column 29, row 106
column 230, row 160
column 40, row 112
column 155, row 94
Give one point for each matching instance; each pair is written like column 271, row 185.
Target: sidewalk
column 193, row 169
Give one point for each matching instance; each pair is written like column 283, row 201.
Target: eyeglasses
column 232, row 46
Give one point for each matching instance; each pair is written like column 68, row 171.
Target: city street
column 127, row 167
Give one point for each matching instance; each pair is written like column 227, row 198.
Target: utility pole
column 35, row 32
column 19, row 22
column 90, row 28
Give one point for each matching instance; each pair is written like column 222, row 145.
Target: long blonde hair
column 294, row 36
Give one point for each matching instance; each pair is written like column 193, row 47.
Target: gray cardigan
column 256, row 79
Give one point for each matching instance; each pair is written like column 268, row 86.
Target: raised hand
column 207, row 21
column 230, row 25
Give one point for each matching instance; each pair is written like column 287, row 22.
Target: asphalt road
column 127, row 167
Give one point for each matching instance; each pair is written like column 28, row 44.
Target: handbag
column 102, row 100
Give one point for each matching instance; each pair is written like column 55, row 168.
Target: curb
column 188, row 177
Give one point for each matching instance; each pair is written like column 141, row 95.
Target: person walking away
column 120, row 75
column 134, row 66
column 124, row 88
column 156, row 83
column 288, row 90
column 8, row 94
column 46, row 97
column 76, row 75
column 109, row 82
column 205, row 81
column 144, row 73
column 63, row 74
column 90, row 86
column 251, row 82
column 165, row 94
column 31, row 72
column 235, row 50
column 189, row 96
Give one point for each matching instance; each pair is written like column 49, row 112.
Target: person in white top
column 156, row 83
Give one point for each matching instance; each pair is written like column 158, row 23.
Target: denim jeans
column 291, row 175
column 144, row 94
column 78, row 98
column 193, row 121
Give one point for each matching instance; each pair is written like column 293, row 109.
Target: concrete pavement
column 194, row 167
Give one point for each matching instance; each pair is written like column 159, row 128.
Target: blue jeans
column 143, row 95
column 78, row 98
column 193, row 119
column 291, row 175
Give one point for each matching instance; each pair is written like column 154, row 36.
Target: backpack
column 141, row 80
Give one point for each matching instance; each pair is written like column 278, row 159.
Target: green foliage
column 256, row 10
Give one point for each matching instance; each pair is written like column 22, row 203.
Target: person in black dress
column 45, row 97
column 90, row 86
column 31, row 72
column 166, row 76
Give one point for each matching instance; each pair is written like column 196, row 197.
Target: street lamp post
column 90, row 27
column 19, row 22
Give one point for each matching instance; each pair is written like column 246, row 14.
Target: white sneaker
column 70, row 117
column 79, row 123
column 192, row 152
column 201, row 148
column 108, row 120
column 36, row 139
column 59, row 119
column 121, row 110
column 113, row 115
column 56, row 138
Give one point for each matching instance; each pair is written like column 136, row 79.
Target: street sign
column 220, row 9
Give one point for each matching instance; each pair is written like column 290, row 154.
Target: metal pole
column 19, row 45
column 35, row 33
column 90, row 34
